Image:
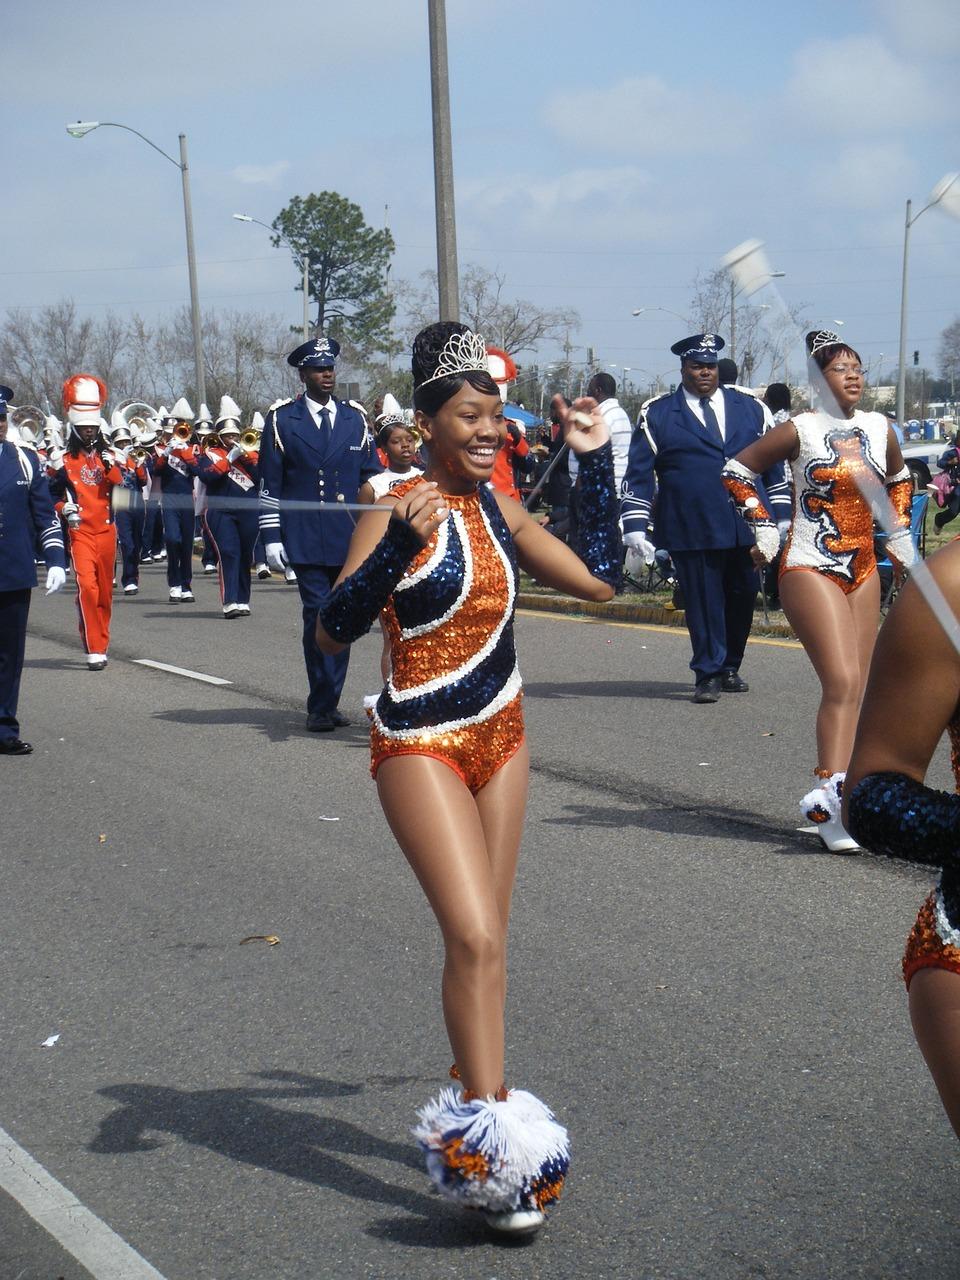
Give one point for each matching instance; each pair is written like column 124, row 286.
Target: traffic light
column 673, row 387
column 916, row 357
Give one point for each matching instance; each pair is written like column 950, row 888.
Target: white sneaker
column 187, row 596
column 244, row 610
column 515, row 1222
column 263, row 572
column 96, row 661
column 130, row 589
column 209, row 568
column 161, row 555
column 176, row 595
column 231, row 611
column 289, row 575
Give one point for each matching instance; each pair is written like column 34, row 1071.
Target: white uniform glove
column 235, row 453
column 56, row 577
column 637, row 541
column 276, row 556
column 71, row 513
column 768, row 541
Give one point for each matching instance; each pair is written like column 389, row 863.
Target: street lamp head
column 243, row 217
column 947, row 194
column 82, row 128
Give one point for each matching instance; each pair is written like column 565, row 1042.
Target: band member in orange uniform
column 84, row 482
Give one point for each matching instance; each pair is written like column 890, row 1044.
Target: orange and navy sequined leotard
column 454, row 690
column 832, row 529
column 934, row 941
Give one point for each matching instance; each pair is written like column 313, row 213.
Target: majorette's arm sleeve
column 636, row 500
column 352, row 608
column 271, row 480
column 892, row 814
column 46, row 522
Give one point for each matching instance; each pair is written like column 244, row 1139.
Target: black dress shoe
column 707, row 690
column 14, row 747
column 320, row 722
column 733, row 682
column 340, row 721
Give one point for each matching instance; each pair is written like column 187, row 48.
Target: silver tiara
column 390, row 420
column 823, row 338
column 462, row 353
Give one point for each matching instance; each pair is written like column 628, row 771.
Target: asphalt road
column 712, row 1005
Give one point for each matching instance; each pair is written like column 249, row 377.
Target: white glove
column 276, row 556
column 71, row 513
column 235, row 453
column 768, row 541
column 56, row 577
column 783, row 528
column 637, row 541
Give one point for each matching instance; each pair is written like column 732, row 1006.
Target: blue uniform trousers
column 232, row 535
column 178, row 540
column 14, row 608
column 152, row 528
column 325, row 674
column 209, row 551
column 719, row 591
column 129, row 522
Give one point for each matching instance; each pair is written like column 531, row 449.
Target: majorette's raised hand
column 584, row 427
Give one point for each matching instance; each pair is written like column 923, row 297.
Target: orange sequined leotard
column 454, row 690
column 935, row 939
column 832, row 529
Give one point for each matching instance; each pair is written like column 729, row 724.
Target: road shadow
column 277, row 725
column 712, row 821
column 56, row 664
column 622, row 690
column 240, row 1124
column 188, row 610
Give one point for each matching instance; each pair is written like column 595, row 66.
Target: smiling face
column 699, row 379
column 463, row 437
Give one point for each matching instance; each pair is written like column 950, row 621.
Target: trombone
column 183, row 431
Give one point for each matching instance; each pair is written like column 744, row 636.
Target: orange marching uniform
column 86, row 480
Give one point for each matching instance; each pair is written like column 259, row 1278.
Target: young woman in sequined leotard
column 448, row 747
column 829, row 586
column 913, row 695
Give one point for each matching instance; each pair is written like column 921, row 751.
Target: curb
column 623, row 611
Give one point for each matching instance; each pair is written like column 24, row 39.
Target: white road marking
column 105, row 1255
column 181, row 671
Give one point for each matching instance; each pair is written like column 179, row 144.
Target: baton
column 545, row 477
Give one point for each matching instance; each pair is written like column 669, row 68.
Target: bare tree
column 948, row 354
column 765, row 337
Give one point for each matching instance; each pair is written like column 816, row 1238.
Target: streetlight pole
column 304, row 257
column 80, row 130
column 945, row 185
column 448, row 284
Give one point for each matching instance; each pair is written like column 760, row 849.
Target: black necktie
column 710, row 422
column 325, row 423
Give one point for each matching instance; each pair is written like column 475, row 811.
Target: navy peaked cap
column 701, row 347
column 318, row 353
column 6, row 395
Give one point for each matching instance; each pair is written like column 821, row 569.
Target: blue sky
column 602, row 154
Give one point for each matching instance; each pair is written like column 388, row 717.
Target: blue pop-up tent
column 523, row 416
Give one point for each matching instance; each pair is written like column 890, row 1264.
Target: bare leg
column 502, row 806
column 935, row 1014
column 838, row 632
column 437, row 823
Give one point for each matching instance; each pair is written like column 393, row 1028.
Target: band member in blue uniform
column 27, row 520
column 231, row 474
column 678, row 451
column 315, row 448
column 128, row 512
column 176, row 466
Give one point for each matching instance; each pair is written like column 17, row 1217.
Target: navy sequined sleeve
column 351, row 609
column 600, row 546
column 892, row 814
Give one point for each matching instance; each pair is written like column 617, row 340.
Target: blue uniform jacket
column 298, row 465
column 236, row 482
column 693, row 511
column 26, row 518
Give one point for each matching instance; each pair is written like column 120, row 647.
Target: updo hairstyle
column 428, row 346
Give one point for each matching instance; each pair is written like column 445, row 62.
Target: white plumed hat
column 182, row 411
column 229, row 410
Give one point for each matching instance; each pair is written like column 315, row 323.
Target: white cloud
column 641, row 115
column 855, row 177
column 260, row 174
column 926, row 27
column 857, row 84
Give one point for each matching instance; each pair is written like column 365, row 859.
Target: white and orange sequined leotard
column 832, row 528
column 454, row 690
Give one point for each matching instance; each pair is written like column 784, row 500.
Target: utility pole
column 448, row 284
